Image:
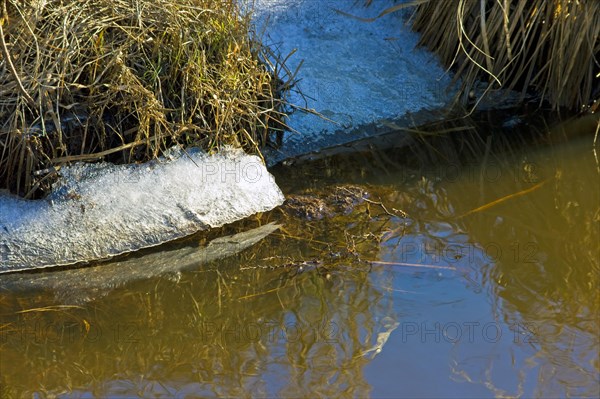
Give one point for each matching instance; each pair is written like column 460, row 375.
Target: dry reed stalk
column 552, row 47
column 122, row 80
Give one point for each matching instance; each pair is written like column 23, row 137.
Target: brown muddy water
column 474, row 277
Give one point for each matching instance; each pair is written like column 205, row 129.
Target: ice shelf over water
column 97, row 211
column 353, row 72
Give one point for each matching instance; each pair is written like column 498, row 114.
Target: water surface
column 470, row 276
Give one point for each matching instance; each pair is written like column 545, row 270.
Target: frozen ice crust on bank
column 97, row 211
column 353, row 72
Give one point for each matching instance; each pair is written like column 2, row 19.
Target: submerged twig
column 55, row 308
column 504, row 199
column 379, row 203
column 404, row 264
column 594, row 146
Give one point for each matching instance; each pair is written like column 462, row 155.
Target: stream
column 470, row 263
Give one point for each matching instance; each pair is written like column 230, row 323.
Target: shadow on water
column 469, row 262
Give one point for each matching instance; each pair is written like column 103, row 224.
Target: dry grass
column 552, row 46
column 121, row 80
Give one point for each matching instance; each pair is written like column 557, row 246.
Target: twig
column 425, row 266
column 388, row 10
column 594, row 146
column 54, row 308
column 503, row 199
column 87, row 157
column 379, row 203
column 11, row 66
column 404, row 214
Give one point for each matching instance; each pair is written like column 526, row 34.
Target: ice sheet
column 353, row 72
column 101, row 210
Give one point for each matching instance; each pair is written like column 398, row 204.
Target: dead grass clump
column 550, row 46
column 121, row 80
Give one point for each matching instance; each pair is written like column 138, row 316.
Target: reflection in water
column 480, row 273
column 546, row 260
column 264, row 322
column 526, row 228
column 79, row 285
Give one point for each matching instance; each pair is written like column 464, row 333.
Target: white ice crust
column 97, row 211
column 352, row 72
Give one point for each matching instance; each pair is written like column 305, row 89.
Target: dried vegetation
column 548, row 47
column 122, row 80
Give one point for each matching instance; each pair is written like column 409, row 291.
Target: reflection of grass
column 542, row 272
column 306, row 306
column 233, row 323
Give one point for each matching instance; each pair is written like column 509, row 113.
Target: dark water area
column 471, row 270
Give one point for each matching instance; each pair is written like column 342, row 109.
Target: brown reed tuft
column 122, row 80
column 551, row 47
